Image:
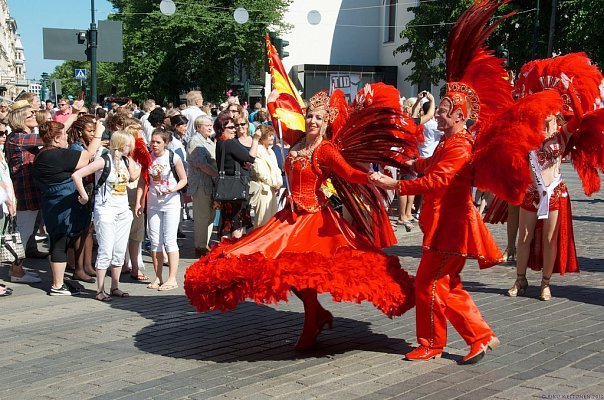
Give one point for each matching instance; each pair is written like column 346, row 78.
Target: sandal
column 140, row 277
column 119, row 293
column 154, row 285
column 103, row 296
column 509, row 254
column 166, row 287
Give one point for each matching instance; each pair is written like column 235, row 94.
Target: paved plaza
column 153, row 345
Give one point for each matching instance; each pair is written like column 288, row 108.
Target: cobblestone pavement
column 153, row 344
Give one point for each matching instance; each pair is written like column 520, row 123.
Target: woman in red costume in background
column 546, row 240
column 308, row 248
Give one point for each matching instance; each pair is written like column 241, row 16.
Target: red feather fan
column 538, row 75
column 584, row 75
column 587, row 150
column 141, row 155
column 507, row 142
column 372, row 130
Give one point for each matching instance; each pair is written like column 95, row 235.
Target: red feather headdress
column 477, row 83
column 538, row 75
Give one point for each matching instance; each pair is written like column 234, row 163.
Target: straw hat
column 19, row 104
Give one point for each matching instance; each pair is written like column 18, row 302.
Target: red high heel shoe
column 311, row 331
column 315, row 318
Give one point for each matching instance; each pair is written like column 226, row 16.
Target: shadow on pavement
column 252, row 332
column 587, row 218
column 581, row 294
column 413, row 251
column 590, row 201
column 591, row 264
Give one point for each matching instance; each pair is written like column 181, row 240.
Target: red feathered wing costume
column 501, row 156
column 308, row 244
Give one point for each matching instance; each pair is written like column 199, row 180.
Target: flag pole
column 283, row 158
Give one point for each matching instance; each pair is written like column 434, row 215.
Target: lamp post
column 43, row 91
column 536, row 31
column 92, row 41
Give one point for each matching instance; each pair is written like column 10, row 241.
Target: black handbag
column 230, row 187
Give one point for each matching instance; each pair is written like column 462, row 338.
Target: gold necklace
column 307, row 151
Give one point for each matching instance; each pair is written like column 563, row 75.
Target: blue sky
column 33, row 15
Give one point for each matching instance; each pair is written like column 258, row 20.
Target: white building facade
column 12, row 56
column 352, row 44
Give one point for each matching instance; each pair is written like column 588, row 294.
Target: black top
column 55, row 165
column 235, row 152
column 280, row 157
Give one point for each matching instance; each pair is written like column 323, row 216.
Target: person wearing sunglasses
column 20, row 148
column 63, row 112
column 235, row 216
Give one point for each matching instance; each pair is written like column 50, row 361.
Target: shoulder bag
column 12, row 247
column 230, row 187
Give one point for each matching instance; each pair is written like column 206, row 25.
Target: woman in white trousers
column 163, row 207
column 112, row 215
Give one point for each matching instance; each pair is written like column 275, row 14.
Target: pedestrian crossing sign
column 80, row 74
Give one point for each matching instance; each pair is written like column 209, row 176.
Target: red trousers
column 439, row 295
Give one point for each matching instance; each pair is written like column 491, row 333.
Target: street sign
column 80, row 74
column 67, row 44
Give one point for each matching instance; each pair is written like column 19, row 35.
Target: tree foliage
column 577, row 28
column 198, row 47
column 71, row 86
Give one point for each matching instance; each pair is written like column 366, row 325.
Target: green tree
column 579, row 25
column 576, row 29
column 197, row 47
column 71, row 86
column 425, row 39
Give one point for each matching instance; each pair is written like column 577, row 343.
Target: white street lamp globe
column 313, row 17
column 241, row 15
column 167, row 7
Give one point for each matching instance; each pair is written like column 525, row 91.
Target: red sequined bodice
column 306, row 172
column 304, row 181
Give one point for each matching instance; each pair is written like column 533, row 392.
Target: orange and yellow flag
column 289, row 105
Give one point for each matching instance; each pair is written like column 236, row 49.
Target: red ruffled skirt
column 319, row 250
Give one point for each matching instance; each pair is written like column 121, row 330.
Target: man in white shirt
column 148, row 106
column 193, row 110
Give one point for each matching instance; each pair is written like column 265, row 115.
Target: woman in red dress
column 307, row 248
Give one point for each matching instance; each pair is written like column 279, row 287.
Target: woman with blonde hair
column 43, row 116
column 112, row 215
column 266, row 178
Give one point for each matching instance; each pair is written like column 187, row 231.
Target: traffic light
column 281, row 49
column 279, row 44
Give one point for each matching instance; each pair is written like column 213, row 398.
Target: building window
column 389, row 20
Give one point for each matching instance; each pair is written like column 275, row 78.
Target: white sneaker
column 62, row 291
column 26, row 278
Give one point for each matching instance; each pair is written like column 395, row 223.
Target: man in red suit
column 453, row 231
